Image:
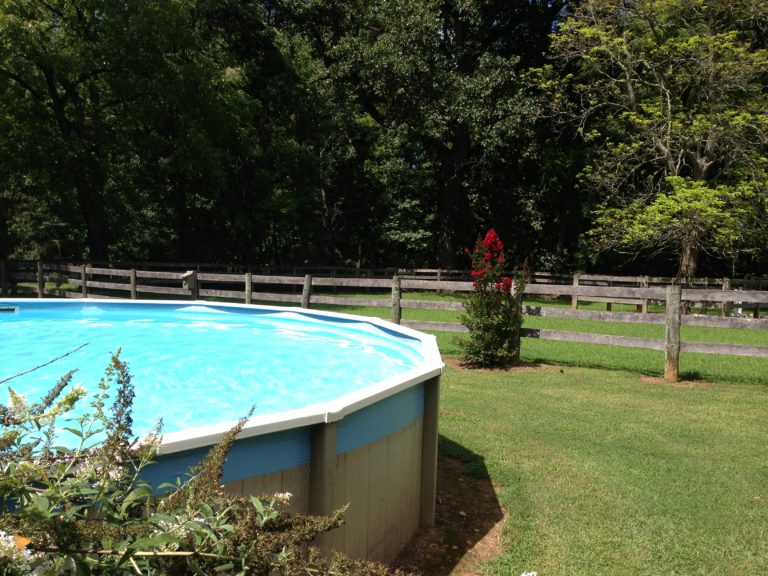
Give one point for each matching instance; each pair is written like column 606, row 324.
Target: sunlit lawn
column 602, row 473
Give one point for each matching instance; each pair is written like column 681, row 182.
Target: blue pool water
column 195, row 365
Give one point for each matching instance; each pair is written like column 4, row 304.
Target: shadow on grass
column 468, row 518
column 474, row 464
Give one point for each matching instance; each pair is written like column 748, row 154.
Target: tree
column 670, row 97
column 67, row 69
column 441, row 82
column 153, row 129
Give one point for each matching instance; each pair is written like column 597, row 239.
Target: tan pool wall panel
column 381, row 482
column 389, row 482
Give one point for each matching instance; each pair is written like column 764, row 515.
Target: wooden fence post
column 189, row 281
column 40, row 280
column 575, row 297
column 306, row 292
column 672, row 334
column 516, row 338
column 84, row 281
column 248, row 288
column 134, row 289
column 644, row 283
column 725, row 309
column 396, row 296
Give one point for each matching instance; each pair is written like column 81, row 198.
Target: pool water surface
column 197, row 364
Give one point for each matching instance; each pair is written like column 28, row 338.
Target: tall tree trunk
column 85, row 168
column 453, row 205
column 90, row 198
column 328, row 216
column 688, row 260
column 183, row 244
column 446, row 244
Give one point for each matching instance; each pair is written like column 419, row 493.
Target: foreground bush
column 493, row 311
column 85, row 510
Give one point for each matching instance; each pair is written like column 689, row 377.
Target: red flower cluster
column 492, row 242
column 505, row 285
column 488, row 263
column 493, row 308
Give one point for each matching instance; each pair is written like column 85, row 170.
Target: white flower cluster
column 90, row 467
column 283, row 497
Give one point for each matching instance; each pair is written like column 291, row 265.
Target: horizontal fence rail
column 28, row 278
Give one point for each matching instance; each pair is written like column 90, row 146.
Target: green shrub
column 493, row 311
column 85, row 510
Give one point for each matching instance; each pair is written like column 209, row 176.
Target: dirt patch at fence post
column 680, row 384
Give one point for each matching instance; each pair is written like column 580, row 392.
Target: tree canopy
column 383, row 133
column 670, row 97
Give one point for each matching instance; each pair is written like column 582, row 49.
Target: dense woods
column 599, row 134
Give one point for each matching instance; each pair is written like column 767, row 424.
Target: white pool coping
column 325, row 412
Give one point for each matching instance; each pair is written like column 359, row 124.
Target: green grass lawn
column 602, row 473
column 707, row 367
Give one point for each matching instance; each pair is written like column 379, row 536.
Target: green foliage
column 86, row 510
column 153, row 130
column 494, row 309
column 73, row 500
column 688, row 213
column 669, row 97
column 375, row 133
column 439, row 83
column 292, row 132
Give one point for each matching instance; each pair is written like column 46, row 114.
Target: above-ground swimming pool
column 345, row 407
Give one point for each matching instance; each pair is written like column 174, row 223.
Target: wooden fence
column 745, row 283
column 107, row 282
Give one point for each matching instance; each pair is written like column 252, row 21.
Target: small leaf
column 257, row 504
column 41, row 503
column 75, row 432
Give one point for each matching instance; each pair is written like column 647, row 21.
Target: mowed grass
column 602, row 473
column 696, row 367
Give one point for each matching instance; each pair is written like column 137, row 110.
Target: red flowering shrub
column 493, row 312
